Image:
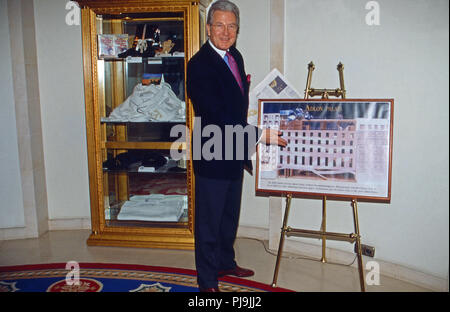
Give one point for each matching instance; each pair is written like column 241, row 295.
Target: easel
column 322, row 234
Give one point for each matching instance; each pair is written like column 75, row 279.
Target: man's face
column 223, row 31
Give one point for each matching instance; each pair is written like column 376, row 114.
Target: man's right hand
column 272, row 137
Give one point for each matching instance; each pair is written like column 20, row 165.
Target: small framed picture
column 110, row 46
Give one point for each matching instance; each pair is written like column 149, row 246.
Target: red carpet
column 103, row 277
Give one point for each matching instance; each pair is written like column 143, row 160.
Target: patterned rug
column 102, row 277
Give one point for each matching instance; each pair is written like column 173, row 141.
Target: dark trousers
column 217, row 208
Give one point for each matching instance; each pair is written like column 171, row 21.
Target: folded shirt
column 149, row 103
column 154, row 207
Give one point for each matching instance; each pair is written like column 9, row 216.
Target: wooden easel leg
column 282, row 236
column 324, row 229
column 358, row 246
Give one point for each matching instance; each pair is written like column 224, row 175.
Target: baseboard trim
column 253, row 232
column 18, row 233
column 69, row 224
column 389, row 269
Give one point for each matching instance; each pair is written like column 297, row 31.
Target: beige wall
column 63, row 114
column 25, row 139
column 12, row 212
column 405, row 58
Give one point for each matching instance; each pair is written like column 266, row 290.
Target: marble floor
column 295, row 273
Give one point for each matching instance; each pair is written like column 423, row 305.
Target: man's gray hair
column 223, row 5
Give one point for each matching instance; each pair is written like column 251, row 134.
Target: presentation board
column 337, row 148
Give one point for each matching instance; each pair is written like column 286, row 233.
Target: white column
column 28, row 120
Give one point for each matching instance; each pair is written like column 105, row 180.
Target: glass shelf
column 159, row 198
column 117, row 215
column 175, row 122
column 141, row 131
column 143, row 60
column 172, row 166
column 133, row 193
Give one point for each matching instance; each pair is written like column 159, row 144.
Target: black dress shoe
column 237, row 271
column 213, row 289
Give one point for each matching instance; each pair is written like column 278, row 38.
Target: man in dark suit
column 218, row 88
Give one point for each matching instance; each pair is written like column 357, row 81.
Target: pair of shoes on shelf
column 237, row 271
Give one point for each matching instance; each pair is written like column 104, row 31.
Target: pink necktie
column 235, row 70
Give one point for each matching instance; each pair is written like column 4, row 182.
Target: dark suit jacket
column 218, row 100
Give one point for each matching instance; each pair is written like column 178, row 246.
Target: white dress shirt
column 221, row 52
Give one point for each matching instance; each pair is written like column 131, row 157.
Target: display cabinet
column 137, row 119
